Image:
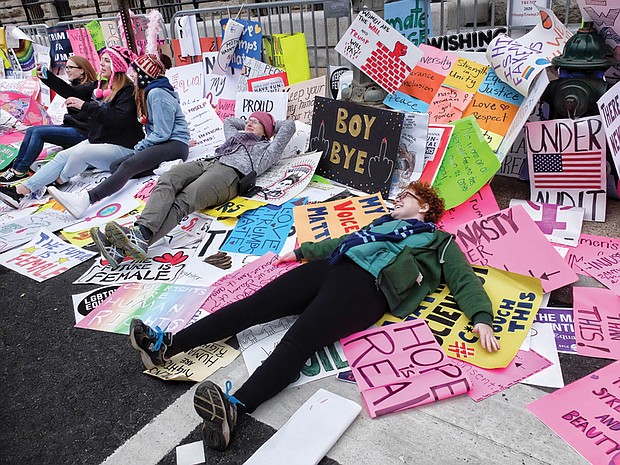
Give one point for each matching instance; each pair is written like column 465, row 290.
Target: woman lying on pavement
column 74, row 129
column 113, row 130
column 167, row 136
column 350, row 282
column 248, row 151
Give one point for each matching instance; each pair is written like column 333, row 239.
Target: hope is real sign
column 359, row 143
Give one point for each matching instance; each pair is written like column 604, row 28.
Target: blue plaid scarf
column 414, row 226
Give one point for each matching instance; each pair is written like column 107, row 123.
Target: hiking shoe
column 75, row 203
column 219, row 412
column 10, row 196
column 10, row 177
column 109, row 251
column 151, row 343
column 128, row 239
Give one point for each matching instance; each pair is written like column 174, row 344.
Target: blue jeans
column 36, row 136
column 75, row 160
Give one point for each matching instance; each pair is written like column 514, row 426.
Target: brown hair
column 90, row 75
column 120, row 80
column 428, row 195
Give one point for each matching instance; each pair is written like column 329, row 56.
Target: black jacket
column 116, row 121
column 75, row 118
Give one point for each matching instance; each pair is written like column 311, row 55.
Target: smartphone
column 44, row 72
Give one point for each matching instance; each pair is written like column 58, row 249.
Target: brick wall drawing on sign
column 386, row 67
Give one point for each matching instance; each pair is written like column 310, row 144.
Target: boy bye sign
column 359, row 143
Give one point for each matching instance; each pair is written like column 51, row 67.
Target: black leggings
column 137, row 165
column 332, row 301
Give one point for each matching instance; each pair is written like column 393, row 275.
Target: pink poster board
column 585, row 415
column 510, row 240
column 590, row 246
column 82, row 44
column 605, row 269
column 480, row 204
column 486, row 382
column 596, row 315
column 400, row 366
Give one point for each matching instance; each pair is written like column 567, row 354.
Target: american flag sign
column 580, row 170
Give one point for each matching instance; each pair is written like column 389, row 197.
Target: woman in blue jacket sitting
column 167, row 138
column 350, row 282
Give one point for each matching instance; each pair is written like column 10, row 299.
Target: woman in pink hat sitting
column 113, row 129
column 250, row 149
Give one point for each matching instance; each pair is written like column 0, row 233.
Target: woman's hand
column 486, row 336
column 39, row 69
column 289, row 257
column 74, row 102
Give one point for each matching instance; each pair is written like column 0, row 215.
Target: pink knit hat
column 120, row 59
column 266, row 120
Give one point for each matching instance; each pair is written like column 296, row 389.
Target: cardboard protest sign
column 188, row 81
column 86, row 302
column 401, row 366
column 411, row 152
column 286, row 179
column 511, row 240
column 253, row 68
column 487, row 382
column 359, row 143
column 205, row 127
column 609, row 105
column 515, row 300
column 519, row 61
column 378, row 50
column 589, row 247
column 606, row 18
column 82, row 45
column 436, row 145
column 249, row 43
column 7, row 155
column 605, row 269
column 410, row 18
column 271, row 102
column 475, row 41
column 466, row 75
column 160, row 268
column 109, row 209
column 561, row 225
column 328, row 220
column 468, row 164
column 44, row 257
column 207, row 44
column 96, row 34
column 225, row 108
column 482, row 203
column 197, row 364
column 234, row 208
column 289, row 52
column 168, row 306
column 566, row 160
column 24, row 228
column 542, row 342
column 221, row 87
column 299, row 143
column 262, row 230
column 186, row 29
column 272, row 83
column 111, row 33
column 561, row 320
column 584, row 414
column 60, row 46
column 524, row 13
column 301, row 98
column 244, row 282
column 596, row 314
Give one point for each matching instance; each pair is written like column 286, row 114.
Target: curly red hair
column 428, row 194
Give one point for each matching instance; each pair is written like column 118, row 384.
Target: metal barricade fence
column 322, row 21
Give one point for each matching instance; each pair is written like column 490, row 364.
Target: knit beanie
column 264, row 118
column 120, row 58
column 148, row 67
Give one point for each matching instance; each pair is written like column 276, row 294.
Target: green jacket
column 439, row 261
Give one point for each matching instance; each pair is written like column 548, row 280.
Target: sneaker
column 151, row 343
column 10, row 196
column 10, row 177
column 75, row 203
column 219, row 413
column 110, row 252
column 128, row 239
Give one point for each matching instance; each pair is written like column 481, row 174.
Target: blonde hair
column 90, row 75
column 120, row 80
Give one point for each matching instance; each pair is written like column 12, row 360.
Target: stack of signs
column 359, row 143
column 609, row 105
column 379, row 50
column 567, row 164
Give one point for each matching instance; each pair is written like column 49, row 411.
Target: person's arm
column 117, row 112
column 162, row 113
column 66, row 90
column 284, row 132
column 232, row 126
column 469, row 294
